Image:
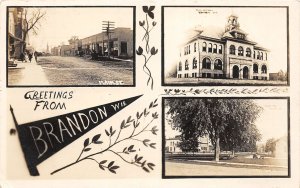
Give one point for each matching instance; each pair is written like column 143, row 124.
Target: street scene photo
column 67, row 46
column 220, row 137
column 225, row 46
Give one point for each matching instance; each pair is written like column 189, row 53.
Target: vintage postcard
column 149, row 94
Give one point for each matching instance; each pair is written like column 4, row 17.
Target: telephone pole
column 108, row 27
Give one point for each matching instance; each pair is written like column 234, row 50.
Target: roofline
column 241, row 41
column 261, row 48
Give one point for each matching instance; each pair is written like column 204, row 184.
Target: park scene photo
column 70, row 46
column 225, row 137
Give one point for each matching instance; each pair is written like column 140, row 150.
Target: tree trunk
column 217, row 149
column 24, row 42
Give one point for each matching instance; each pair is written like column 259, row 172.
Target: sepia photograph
column 225, row 137
column 225, row 46
column 70, row 46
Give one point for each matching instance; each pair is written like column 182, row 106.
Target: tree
column 32, row 20
column 270, row 145
column 229, row 123
column 73, row 39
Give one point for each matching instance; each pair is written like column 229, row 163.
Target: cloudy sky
column 266, row 26
column 60, row 24
column 271, row 123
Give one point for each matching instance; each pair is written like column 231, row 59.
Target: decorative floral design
column 116, row 139
column 223, row 91
column 148, row 52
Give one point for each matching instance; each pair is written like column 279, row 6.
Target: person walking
column 30, row 57
column 35, row 56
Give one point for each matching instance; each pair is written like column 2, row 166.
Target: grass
column 215, row 82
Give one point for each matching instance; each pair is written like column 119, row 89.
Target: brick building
column 121, row 44
column 223, row 53
column 15, row 34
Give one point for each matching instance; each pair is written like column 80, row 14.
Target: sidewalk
column 221, row 163
column 27, row 74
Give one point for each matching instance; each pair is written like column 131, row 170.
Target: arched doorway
column 245, row 73
column 235, row 71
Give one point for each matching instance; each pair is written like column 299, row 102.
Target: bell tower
column 232, row 23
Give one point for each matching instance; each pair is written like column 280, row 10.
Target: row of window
column 206, row 64
column 263, row 69
column 258, row 55
column 212, row 48
column 203, row 75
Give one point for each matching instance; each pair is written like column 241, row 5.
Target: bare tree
column 32, row 20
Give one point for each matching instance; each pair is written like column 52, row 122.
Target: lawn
column 215, row 82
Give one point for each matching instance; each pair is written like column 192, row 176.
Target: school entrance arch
column 235, row 71
column 245, row 73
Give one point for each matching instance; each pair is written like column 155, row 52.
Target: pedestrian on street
column 26, row 57
column 35, row 56
column 30, row 57
column 22, row 57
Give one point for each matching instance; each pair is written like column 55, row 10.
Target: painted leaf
column 87, row 149
column 107, row 133
column 145, row 9
column 100, row 166
column 151, row 15
column 146, row 169
column 151, row 8
column 110, row 164
column 122, row 124
column 96, row 138
column 102, row 162
column 114, row 167
column 86, row 142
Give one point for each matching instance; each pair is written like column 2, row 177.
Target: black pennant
column 43, row 138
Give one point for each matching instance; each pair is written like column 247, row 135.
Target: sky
column 60, row 24
column 272, row 122
column 266, row 26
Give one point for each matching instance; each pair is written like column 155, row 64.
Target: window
column 210, row 47
column 204, row 45
column 248, row 52
column 264, row 69
column 195, row 47
column 258, row 57
column 232, row 49
column 254, row 54
column 206, row 63
column 194, row 63
column 255, row 68
column 186, row 65
column 180, row 66
column 220, row 49
column 240, row 51
column 189, row 49
column 266, row 56
column 218, row 64
column 179, row 75
column 262, row 56
column 215, row 48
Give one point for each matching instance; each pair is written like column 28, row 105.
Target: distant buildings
column 172, row 145
column 121, row 44
column 15, row 33
column 223, row 53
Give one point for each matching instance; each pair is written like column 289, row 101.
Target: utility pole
column 108, row 27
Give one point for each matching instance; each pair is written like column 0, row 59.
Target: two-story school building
column 228, row 53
